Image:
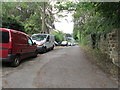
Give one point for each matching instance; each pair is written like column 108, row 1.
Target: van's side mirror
column 34, row 43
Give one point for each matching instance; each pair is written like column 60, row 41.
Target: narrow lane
column 61, row 68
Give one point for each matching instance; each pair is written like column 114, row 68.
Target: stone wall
column 110, row 43
column 119, row 47
column 113, row 46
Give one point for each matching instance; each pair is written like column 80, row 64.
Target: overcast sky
column 65, row 24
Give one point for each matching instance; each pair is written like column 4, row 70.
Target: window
column 30, row 41
column 5, row 37
column 39, row 37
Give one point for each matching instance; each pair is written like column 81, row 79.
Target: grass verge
column 102, row 60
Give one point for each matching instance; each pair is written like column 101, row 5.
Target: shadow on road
column 5, row 65
column 30, row 59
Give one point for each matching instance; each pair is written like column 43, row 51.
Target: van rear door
column 4, row 43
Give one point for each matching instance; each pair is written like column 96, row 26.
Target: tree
column 59, row 36
column 30, row 14
column 11, row 23
column 96, row 18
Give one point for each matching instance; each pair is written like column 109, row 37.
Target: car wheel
column 35, row 54
column 16, row 61
column 44, row 50
column 52, row 47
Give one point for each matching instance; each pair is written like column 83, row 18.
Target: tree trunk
column 43, row 19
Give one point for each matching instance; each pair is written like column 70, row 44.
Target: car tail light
column 9, row 51
column 39, row 45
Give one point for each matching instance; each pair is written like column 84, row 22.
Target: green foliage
column 67, row 5
column 95, row 18
column 30, row 14
column 11, row 23
column 31, row 29
column 75, row 33
column 59, row 35
column 111, row 11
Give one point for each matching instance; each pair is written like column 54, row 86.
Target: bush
column 11, row 23
column 59, row 36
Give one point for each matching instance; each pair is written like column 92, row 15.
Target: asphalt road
column 65, row 67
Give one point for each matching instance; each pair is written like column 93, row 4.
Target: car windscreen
column 4, row 37
column 39, row 37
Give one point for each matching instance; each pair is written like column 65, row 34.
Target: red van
column 15, row 46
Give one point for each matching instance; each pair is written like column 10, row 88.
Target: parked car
column 44, row 41
column 64, row 43
column 76, row 43
column 72, row 44
column 15, row 46
column 56, row 44
column 69, row 43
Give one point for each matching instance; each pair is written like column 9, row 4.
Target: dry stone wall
column 113, row 46
column 110, row 43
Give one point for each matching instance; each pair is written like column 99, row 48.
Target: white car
column 72, row 44
column 64, row 43
column 44, row 41
column 69, row 44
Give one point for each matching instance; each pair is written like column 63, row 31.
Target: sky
column 65, row 24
